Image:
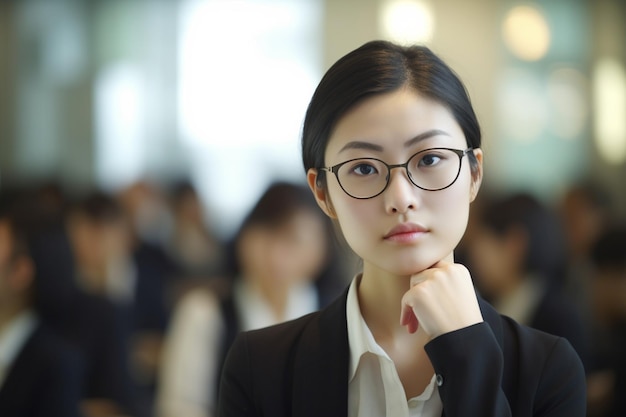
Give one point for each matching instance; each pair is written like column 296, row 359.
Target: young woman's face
column 292, row 252
column 383, row 127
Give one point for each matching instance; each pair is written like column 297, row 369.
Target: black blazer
column 44, row 380
column 495, row 368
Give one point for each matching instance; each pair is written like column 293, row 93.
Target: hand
column 441, row 299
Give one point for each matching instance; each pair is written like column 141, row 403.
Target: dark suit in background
column 45, row 380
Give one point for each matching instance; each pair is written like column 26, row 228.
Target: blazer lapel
column 321, row 365
column 320, row 384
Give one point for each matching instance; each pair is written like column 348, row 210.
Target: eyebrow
column 378, row 148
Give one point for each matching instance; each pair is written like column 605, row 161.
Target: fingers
column 408, row 319
column 440, row 299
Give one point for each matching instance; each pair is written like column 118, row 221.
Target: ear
column 477, row 175
column 320, row 193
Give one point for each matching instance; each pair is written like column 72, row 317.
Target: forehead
column 391, row 119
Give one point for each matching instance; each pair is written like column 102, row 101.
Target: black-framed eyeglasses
column 431, row 169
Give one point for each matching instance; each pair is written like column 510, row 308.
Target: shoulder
column 46, row 345
column 49, row 357
column 306, row 357
column 543, row 364
column 532, row 344
column 277, row 346
column 275, row 341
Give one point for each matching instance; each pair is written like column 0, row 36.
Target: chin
column 410, row 269
column 414, row 263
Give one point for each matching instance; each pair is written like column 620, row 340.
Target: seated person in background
column 606, row 383
column 517, row 254
column 88, row 321
column 193, row 246
column 585, row 210
column 40, row 375
column 281, row 251
column 110, row 263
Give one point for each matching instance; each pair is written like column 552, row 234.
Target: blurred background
column 108, row 93
column 141, row 142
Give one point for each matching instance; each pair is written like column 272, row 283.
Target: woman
column 391, row 147
column 282, row 268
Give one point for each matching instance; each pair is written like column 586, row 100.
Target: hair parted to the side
column 380, row 67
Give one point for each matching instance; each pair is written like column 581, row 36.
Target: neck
column 380, row 297
column 277, row 296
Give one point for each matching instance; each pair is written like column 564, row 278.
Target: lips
column 405, row 230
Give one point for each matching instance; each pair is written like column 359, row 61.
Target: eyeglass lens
column 431, row 169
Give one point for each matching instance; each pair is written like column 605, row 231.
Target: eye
column 364, row 169
column 429, row 160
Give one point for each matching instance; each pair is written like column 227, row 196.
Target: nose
column 400, row 195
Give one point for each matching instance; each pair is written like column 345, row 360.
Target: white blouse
column 192, row 349
column 375, row 389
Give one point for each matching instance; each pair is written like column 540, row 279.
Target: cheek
column 450, row 211
column 353, row 216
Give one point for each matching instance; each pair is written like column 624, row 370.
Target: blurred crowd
column 124, row 304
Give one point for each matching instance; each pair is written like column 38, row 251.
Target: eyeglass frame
column 335, row 169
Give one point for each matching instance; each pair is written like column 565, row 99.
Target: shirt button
column 439, row 380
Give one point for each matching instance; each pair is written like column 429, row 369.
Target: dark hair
column 99, row 207
column 17, row 225
column 276, row 206
column 278, row 203
column 380, row 67
column 609, row 251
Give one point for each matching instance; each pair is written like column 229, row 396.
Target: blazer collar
column 321, row 363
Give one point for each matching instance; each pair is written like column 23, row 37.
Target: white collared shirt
column 375, row 389
column 12, row 340
column 522, row 303
column 255, row 312
column 195, row 336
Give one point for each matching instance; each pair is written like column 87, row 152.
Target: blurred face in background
column 96, row 245
column 5, row 259
column 281, row 255
column 583, row 223
column 16, row 273
column 609, row 293
column 496, row 259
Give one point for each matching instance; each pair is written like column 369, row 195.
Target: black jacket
column 495, row 368
column 45, row 380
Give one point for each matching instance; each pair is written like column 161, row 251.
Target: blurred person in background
column 283, row 267
column 40, row 374
column 89, row 322
column 517, row 253
column 585, row 211
column 110, row 263
column 607, row 377
column 193, row 246
column 146, row 205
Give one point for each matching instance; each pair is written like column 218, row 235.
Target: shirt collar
column 360, row 338
column 255, row 312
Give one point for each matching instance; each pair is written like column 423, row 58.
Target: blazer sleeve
column 470, row 365
column 235, row 396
